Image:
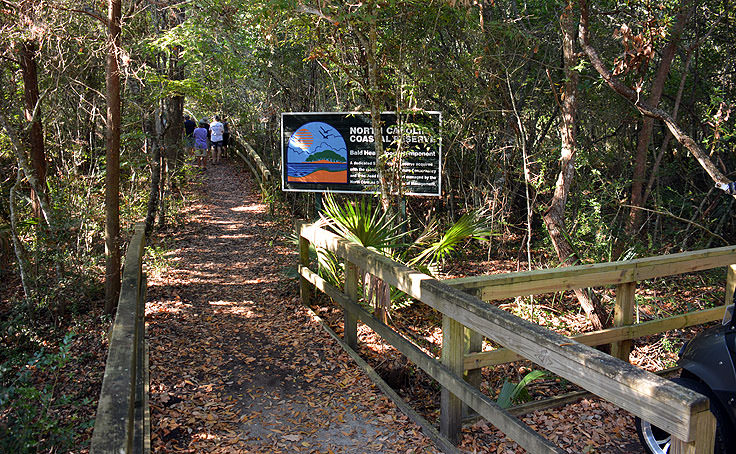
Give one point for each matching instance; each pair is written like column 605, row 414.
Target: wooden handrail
column 509, row 285
column 121, row 422
column 606, row 336
column 671, row 407
column 260, row 170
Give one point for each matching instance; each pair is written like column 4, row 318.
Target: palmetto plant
column 369, row 226
column 363, row 224
column 432, row 252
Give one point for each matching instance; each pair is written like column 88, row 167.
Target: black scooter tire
column 654, row 439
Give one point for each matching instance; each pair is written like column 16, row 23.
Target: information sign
column 336, row 152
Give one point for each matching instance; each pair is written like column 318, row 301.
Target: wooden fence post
column 623, row 315
column 730, row 284
column 350, row 318
column 451, row 407
column 473, row 344
column 305, row 289
column 705, row 436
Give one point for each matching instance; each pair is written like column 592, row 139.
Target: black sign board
column 336, row 152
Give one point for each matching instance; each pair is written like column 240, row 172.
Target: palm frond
column 471, row 225
column 361, row 223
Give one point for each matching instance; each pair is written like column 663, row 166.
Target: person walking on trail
column 225, row 137
column 216, row 131
column 200, row 144
column 204, row 124
column 189, row 127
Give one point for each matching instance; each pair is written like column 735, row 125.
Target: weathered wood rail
column 257, row 167
column 254, row 161
column 122, row 423
column 624, row 275
column 681, row 412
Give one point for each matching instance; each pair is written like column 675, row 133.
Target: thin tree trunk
column 554, row 216
column 112, row 175
column 375, row 99
column 163, row 192
column 175, row 105
column 668, row 135
column 32, row 114
column 21, row 256
column 645, row 133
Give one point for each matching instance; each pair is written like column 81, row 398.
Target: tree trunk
column 375, row 99
column 21, row 256
column 645, row 133
column 554, row 216
column 175, row 104
column 32, row 114
column 112, row 174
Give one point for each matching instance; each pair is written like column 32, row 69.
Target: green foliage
column 157, row 257
column 29, row 425
column 328, row 155
column 370, row 226
column 517, row 393
column 472, row 225
column 363, row 224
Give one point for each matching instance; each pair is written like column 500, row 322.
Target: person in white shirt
column 217, row 129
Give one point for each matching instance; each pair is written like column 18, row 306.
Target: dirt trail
column 237, row 365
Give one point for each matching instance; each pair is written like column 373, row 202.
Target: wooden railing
column 122, row 423
column 624, row 275
column 254, row 161
column 257, row 167
column 679, row 411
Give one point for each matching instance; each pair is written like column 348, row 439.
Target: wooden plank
column 730, row 284
column 509, row 285
column 623, row 315
column 304, row 289
column 142, row 433
column 350, row 318
column 265, row 173
column 114, row 422
column 260, row 170
column 706, row 435
column 484, row 405
column 606, row 336
column 564, row 399
column 473, row 344
column 667, row 405
column 451, row 407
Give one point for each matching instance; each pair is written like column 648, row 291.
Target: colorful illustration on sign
column 317, row 154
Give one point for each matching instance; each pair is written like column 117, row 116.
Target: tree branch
column 88, row 10
column 634, row 97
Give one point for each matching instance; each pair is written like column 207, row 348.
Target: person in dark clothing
column 225, row 138
column 189, row 126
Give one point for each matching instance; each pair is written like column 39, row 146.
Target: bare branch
column 634, row 97
column 88, row 10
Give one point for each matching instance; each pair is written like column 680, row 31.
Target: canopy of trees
column 595, row 132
